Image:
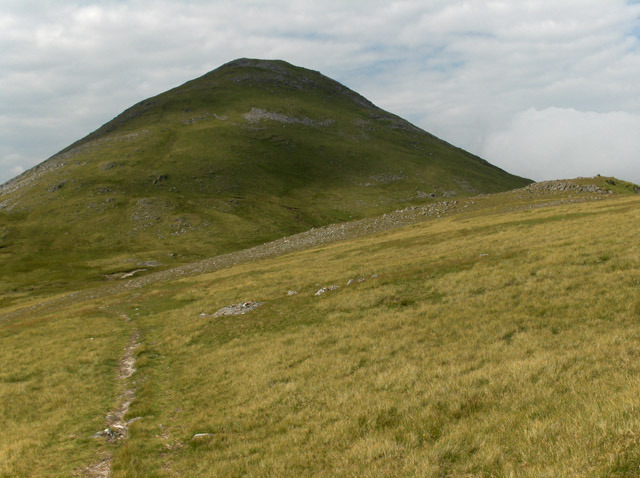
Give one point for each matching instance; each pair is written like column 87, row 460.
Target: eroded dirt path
column 99, row 470
column 117, row 428
column 116, row 424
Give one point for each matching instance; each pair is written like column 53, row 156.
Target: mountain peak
column 277, row 75
column 249, row 152
column 273, row 65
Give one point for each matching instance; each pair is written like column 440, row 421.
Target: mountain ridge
column 534, row 196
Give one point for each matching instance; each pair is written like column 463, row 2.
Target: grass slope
column 249, row 152
column 502, row 341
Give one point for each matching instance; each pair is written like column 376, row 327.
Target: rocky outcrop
column 238, row 309
column 327, row 289
column 258, row 114
column 565, row 186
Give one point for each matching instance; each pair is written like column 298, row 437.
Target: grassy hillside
column 498, row 340
column 249, row 152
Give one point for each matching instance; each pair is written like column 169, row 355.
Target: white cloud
column 15, row 170
column 464, row 70
column 14, row 164
column 559, row 142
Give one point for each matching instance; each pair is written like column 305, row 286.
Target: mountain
column 250, row 152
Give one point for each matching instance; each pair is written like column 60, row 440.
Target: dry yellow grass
column 487, row 345
column 522, row 361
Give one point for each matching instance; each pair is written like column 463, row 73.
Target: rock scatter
column 327, row 289
column 238, row 309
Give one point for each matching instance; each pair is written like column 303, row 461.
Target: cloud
column 14, row 164
column 461, row 69
column 558, row 143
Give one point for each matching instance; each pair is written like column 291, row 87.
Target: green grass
column 489, row 344
column 148, row 186
column 56, row 384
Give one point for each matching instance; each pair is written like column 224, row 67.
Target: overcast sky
column 542, row 88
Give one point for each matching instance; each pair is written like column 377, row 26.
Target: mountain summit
column 251, row 151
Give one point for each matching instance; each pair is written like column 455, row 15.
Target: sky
column 545, row 89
